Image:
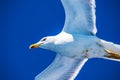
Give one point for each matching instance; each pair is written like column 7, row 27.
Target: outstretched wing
column 110, row 46
column 62, row 68
column 112, row 50
column 80, row 16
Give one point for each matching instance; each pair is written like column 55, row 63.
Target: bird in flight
column 76, row 43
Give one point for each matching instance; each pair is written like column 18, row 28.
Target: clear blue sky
column 23, row 22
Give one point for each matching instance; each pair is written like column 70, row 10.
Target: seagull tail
column 112, row 50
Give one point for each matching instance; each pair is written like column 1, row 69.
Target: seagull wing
column 112, row 50
column 62, row 68
column 110, row 46
column 80, row 16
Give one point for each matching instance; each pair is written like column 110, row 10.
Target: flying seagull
column 76, row 43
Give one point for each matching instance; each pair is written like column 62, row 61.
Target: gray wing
column 62, row 68
column 80, row 16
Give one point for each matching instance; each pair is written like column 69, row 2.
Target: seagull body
column 81, row 45
column 76, row 43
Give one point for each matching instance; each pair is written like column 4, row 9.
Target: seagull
column 76, row 43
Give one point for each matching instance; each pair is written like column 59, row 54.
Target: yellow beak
column 34, row 46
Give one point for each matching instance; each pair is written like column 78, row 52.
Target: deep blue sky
column 23, row 22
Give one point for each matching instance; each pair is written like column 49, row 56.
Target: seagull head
column 45, row 43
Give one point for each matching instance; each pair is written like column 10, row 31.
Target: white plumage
column 62, row 68
column 76, row 43
column 80, row 16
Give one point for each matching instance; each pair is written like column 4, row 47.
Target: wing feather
column 80, row 16
column 110, row 46
column 112, row 50
column 62, row 68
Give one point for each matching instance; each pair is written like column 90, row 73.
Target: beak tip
column 29, row 47
column 33, row 46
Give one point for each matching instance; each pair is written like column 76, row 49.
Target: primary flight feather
column 76, row 43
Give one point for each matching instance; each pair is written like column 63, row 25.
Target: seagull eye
column 44, row 39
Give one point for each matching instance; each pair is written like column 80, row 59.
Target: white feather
column 62, row 68
column 110, row 46
column 80, row 16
